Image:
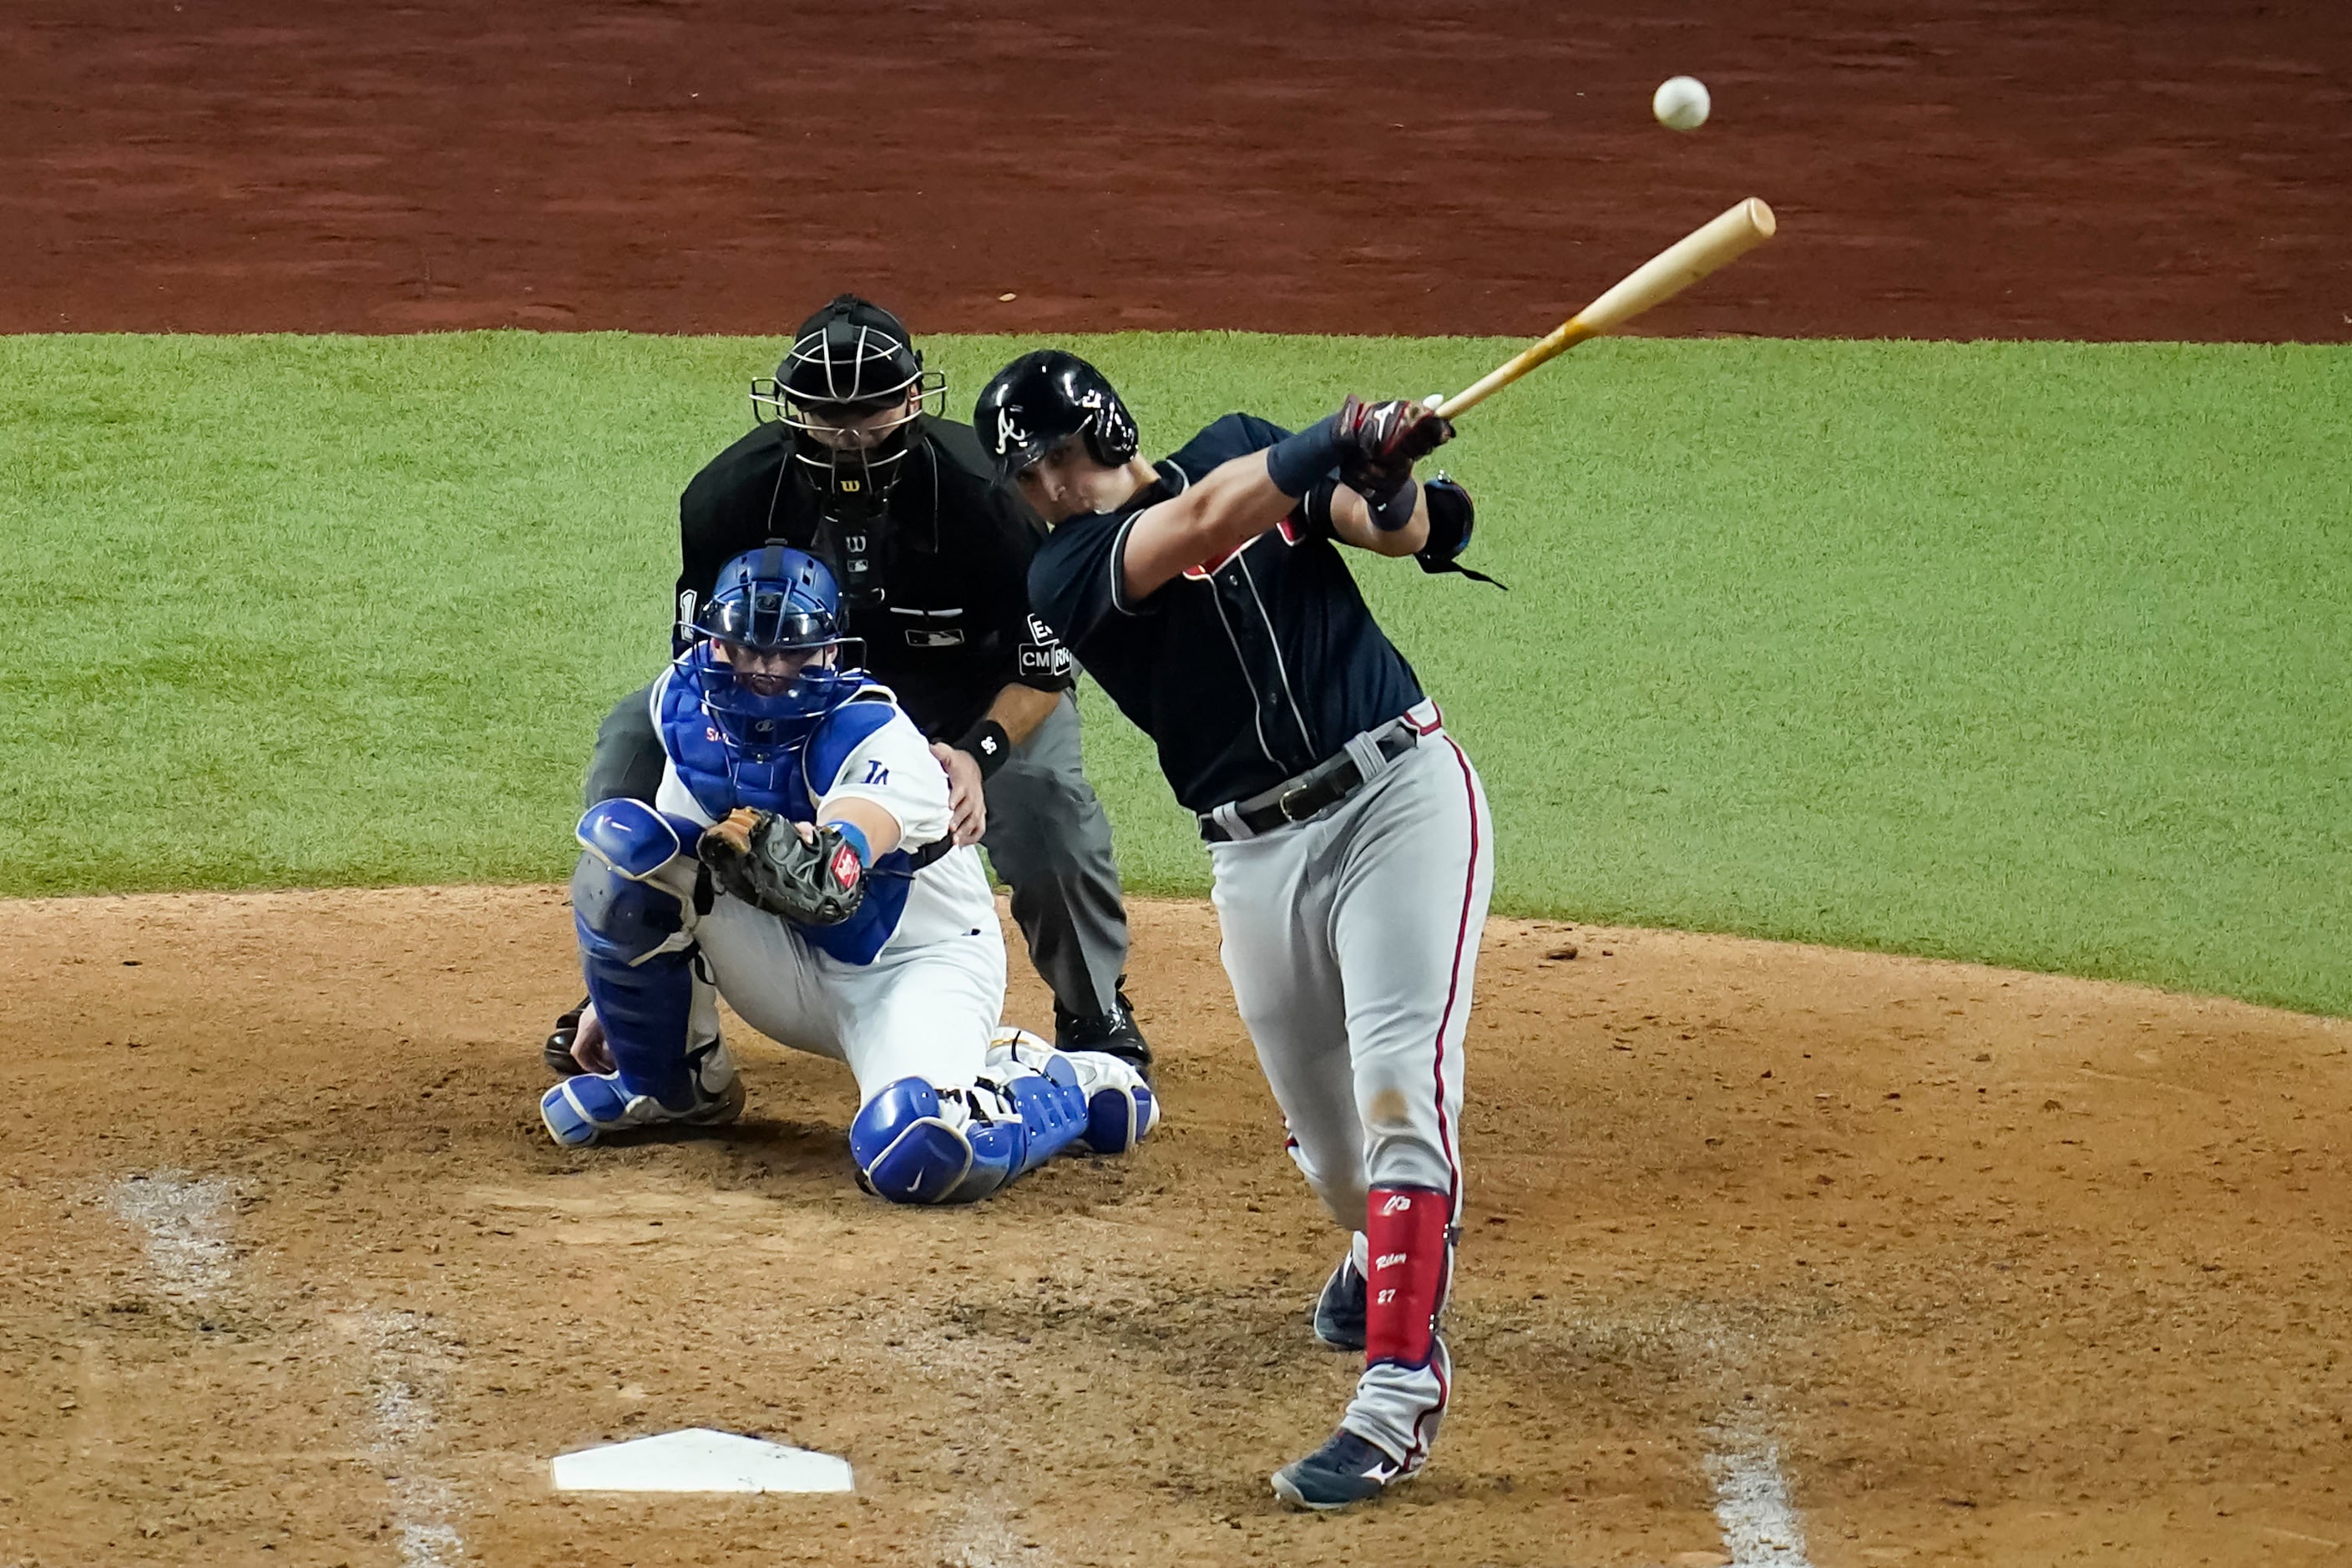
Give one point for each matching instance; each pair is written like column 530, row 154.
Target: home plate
column 700, row 1460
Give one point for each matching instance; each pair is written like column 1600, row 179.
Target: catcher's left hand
column 809, row 875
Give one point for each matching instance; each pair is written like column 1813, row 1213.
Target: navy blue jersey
column 1244, row 671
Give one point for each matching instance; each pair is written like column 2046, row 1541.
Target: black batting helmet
column 1042, row 399
column 852, row 367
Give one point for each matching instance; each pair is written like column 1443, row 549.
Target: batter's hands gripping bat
column 1654, row 282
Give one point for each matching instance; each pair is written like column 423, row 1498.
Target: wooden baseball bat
column 1654, row 282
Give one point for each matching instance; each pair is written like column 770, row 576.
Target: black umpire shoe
column 1113, row 1033
column 558, row 1046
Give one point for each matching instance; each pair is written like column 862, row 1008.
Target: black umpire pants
column 1048, row 839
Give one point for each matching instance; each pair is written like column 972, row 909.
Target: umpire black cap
column 1042, row 399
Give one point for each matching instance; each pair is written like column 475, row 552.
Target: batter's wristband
column 987, row 744
column 1395, row 509
column 1296, row 462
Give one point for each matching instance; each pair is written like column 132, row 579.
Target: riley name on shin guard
column 1409, row 1261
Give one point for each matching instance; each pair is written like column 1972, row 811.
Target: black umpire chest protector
column 934, row 581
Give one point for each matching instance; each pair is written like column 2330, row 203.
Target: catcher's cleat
column 1340, row 1310
column 1114, row 1034
column 589, row 1105
column 557, row 1048
column 1345, row 1469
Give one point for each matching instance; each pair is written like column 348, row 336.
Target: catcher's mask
column 852, row 391
column 767, row 657
column 1039, row 401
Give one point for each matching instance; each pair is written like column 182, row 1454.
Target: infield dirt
column 2013, row 1269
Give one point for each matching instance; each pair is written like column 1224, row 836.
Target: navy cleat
column 1340, row 1310
column 587, row 1106
column 1345, row 1469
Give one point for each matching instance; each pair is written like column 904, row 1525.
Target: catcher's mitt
column 809, row 875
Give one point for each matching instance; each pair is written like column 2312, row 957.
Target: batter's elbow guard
column 1451, row 516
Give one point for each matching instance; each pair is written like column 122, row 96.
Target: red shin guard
column 1410, row 1259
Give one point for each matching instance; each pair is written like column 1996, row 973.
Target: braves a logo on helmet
column 1009, row 434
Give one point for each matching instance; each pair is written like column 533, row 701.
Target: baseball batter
column 1349, row 834
column 798, row 859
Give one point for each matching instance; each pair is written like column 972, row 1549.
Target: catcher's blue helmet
column 773, row 600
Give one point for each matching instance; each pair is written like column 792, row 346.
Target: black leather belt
column 1324, row 786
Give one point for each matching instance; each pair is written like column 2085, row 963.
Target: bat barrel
column 1724, row 239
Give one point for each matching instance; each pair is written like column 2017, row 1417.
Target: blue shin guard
column 1120, row 1108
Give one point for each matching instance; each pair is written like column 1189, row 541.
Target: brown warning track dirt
column 2015, row 1270
column 2077, row 168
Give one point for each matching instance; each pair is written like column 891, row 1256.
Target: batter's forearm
column 1351, row 523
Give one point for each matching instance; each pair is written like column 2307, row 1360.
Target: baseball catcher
column 797, row 859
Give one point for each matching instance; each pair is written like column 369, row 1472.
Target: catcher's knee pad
column 910, row 1145
column 917, row 1143
column 631, row 887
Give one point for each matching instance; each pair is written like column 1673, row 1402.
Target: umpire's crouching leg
column 1048, row 839
column 627, row 761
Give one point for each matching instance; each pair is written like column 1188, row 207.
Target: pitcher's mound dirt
column 2010, row 1269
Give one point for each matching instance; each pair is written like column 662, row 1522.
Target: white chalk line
column 1753, row 1508
column 1760, row 1527
column 406, row 1369
column 184, row 1226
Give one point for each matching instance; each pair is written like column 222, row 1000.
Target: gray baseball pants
column 1352, row 939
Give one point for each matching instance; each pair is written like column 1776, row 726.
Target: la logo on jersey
column 875, row 773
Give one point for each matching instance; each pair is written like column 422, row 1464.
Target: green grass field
column 2029, row 653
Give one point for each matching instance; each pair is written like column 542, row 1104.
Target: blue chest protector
column 789, row 783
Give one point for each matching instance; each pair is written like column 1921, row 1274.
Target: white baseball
column 1680, row 103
